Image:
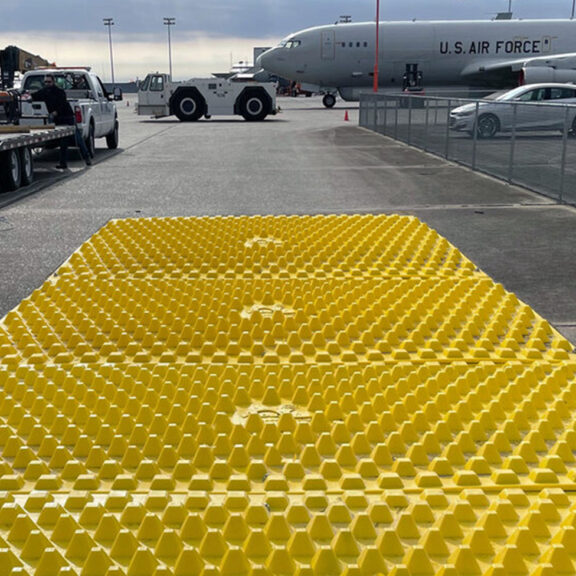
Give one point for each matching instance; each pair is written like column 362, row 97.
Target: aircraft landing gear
column 412, row 83
column 329, row 100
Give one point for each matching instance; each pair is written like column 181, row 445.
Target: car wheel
column 26, row 166
column 254, row 107
column 10, row 172
column 113, row 138
column 487, row 126
column 188, row 107
column 91, row 141
column 329, row 100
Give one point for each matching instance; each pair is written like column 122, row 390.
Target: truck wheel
column 188, row 107
column 329, row 100
column 26, row 167
column 91, row 141
column 10, row 173
column 112, row 138
column 254, row 107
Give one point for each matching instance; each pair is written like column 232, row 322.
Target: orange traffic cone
column 346, row 119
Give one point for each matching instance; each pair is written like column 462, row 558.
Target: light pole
column 377, row 45
column 572, row 13
column 169, row 22
column 110, row 22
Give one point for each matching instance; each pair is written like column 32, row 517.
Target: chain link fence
column 524, row 143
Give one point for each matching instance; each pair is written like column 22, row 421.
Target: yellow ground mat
column 283, row 395
column 269, row 246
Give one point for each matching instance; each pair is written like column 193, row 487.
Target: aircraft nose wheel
column 329, row 100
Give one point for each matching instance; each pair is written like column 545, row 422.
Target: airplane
column 477, row 54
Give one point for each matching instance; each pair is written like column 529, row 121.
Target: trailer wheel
column 188, row 107
column 254, row 106
column 112, row 139
column 10, row 173
column 26, row 166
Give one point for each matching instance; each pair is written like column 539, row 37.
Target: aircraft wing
column 557, row 61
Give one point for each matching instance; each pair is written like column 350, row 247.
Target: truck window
column 100, row 90
column 157, row 84
column 145, row 84
column 79, row 82
column 36, row 81
column 33, row 83
column 65, row 82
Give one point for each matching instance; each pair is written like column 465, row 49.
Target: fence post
column 427, row 118
column 512, row 143
column 564, row 151
column 446, row 148
column 396, row 102
column 409, row 139
column 475, row 135
column 385, row 115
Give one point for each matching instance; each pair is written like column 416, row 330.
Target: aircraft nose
column 262, row 59
column 268, row 60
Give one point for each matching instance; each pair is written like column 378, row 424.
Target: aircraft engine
column 538, row 74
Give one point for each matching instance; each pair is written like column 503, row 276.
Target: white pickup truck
column 93, row 106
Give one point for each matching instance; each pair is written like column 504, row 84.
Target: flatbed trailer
column 16, row 144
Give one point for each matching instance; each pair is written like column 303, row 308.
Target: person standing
column 60, row 110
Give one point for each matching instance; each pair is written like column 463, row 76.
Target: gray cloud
column 208, row 35
column 247, row 18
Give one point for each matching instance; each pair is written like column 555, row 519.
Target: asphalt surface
column 307, row 160
column 532, row 159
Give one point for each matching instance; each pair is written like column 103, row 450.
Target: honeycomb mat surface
column 283, row 395
column 270, row 247
column 275, row 321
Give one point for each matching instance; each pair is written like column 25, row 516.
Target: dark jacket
column 55, row 99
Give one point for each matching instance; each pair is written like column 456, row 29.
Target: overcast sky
column 208, row 36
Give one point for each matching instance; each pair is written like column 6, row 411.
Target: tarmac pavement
column 306, row 160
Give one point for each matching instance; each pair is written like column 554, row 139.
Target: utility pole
column 376, row 56
column 169, row 22
column 110, row 22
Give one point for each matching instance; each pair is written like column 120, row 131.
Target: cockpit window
column 290, row 44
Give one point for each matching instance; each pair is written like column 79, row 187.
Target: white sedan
column 530, row 107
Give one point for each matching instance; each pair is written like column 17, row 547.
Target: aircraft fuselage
column 447, row 53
